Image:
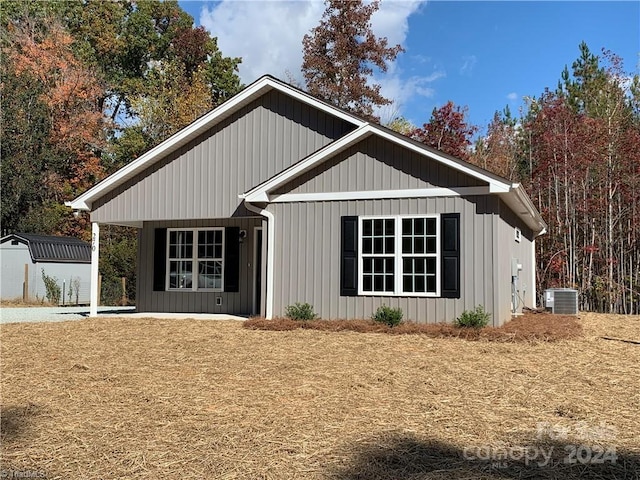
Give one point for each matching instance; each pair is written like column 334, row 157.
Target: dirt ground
column 164, row 399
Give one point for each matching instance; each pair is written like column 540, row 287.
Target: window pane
column 407, row 265
column 389, row 227
column 389, row 283
column 431, row 265
column 367, row 228
column 389, row 245
column 389, row 265
column 378, row 265
column 217, row 251
column 418, row 245
column 367, row 265
column 419, row 283
column 431, row 226
column 378, row 227
column 407, row 226
column 378, row 245
column 367, row 283
column 418, row 226
column 367, row 245
column 431, row 245
column 419, row 265
column 407, row 283
column 378, row 283
column 431, row 283
column 407, row 245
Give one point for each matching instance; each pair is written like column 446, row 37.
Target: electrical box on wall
column 516, row 267
column 517, row 235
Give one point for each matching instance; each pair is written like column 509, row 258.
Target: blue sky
column 484, row 55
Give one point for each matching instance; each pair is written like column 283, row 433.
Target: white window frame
column 398, row 255
column 194, row 260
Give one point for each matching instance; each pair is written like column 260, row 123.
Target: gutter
column 271, row 236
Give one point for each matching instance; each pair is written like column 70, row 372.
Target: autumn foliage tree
column 576, row 151
column 447, row 131
column 340, row 55
column 87, row 86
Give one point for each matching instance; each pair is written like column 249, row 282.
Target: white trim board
column 379, row 194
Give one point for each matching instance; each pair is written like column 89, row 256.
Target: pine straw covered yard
column 143, row 398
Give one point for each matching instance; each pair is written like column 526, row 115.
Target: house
column 276, row 197
column 24, row 257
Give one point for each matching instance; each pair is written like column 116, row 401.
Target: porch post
column 95, row 256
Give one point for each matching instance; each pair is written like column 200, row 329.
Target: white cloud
column 513, row 96
column 268, row 36
column 468, row 63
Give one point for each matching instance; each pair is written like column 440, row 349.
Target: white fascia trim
column 271, row 236
column 260, row 193
column 379, row 194
column 537, row 224
column 83, row 202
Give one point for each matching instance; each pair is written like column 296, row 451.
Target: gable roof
column 49, row 248
column 260, row 192
column 199, row 126
column 511, row 193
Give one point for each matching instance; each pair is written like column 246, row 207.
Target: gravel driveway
column 55, row 314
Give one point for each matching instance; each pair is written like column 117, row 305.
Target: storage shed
column 24, row 258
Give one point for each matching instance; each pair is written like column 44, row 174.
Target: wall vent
column 561, row 301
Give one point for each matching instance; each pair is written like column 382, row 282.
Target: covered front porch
column 200, row 266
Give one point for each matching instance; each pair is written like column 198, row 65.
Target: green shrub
column 388, row 315
column 300, row 311
column 52, row 288
column 476, row 318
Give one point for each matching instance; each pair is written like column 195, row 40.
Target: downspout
column 271, row 236
column 534, row 266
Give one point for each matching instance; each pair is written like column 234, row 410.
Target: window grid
column 195, row 250
column 378, row 255
column 405, row 259
column 419, row 255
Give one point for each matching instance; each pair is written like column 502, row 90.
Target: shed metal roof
column 49, row 248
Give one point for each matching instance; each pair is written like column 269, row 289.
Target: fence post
column 25, row 285
column 124, row 291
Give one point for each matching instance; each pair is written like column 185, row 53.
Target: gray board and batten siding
column 203, row 178
column 377, row 164
column 235, row 303
column 308, row 258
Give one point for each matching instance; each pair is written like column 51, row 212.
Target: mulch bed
column 526, row 328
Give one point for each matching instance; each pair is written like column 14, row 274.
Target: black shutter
column 450, row 255
column 349, row 257
column 232, row 259
column 159, row 259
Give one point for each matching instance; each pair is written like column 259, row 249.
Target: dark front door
column 258, row 272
